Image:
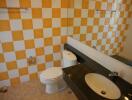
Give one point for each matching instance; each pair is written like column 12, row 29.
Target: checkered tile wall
column 42, row 29
column 101, row 24
column 39, row 31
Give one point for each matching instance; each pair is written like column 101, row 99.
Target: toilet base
column 55, row 86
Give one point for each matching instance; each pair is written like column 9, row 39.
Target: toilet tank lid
column 69, row 55
column 52, row 73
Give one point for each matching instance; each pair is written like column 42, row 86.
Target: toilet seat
column 51, row 74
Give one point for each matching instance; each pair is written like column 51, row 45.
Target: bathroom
column 35, row 33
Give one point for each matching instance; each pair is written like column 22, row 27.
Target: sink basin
column 102, row 86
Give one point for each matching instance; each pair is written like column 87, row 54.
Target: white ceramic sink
column 102, row 86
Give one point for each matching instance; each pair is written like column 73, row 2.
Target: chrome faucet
column 113, row 74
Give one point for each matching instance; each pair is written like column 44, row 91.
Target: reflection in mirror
column 104, row 25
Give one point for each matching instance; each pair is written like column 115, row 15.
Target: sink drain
column 103, row 92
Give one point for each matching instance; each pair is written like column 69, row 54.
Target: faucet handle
column 113, row 74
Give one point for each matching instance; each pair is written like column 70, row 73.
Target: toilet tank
column 69, row 59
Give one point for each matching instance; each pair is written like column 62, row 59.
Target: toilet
column 52, row 77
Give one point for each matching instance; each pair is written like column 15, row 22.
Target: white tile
column 19, row 45
column 95, row 29
column 64, row 31
column 57, row 56
column 77, row 21
column 24, row 78
column 49, row 65
column 12, row 3
column 56, row 40
column 26, row 14
column 78, row 4
column 30, row 52
column 40, row 59
column 84, row 13
column 70, row 13
column 16, row 25
column 39, row 42
column 47, row 12
column 28, row 34
column 64, row 13
column 92, row 4
column 48, row 50
column 104, row 6
column 4, row 83
column 32, row 69
column 56, row 3
column 9, row 56
column 90, row 21
column 83, row 29
column 47, row 32
column 3, row 67
column 56, row 22
column 36, row 3
column 37, row 23
column 4, row 14
column 1, row 50
column 5, row 36
column 70, row 30
column 13, row 73
column 22, row 63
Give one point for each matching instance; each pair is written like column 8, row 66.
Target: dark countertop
column 74, row 76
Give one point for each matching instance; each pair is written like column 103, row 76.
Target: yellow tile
column 56, row 31
column 11, row 65
column 89, row 29
column 90, row 13
column 65, row 3
column 48, row 41
column 69, row 22
column 3, row 3
column 48, row 57
column 64, row 22
column 41, row 67
column 47, row 22
column 20, row 54
column 14, row 13
column 7, row 46
column 17, row 35
column 2, row 58
column 85, row 3
column 4, row 76
column 83, row 21
column 4, row 25
column 33, row 76
column 77, row 12
column 15, row 81
column 56, row 48
column 29, row 44
column 39, row 51
column 27, row 23
column 57, row 63
column 47, row 3
column 25, row 3
column 38, row 33
column 36, row 12
column 82, row 37
column 63, row 39
column 56, row 12
column 23, row 71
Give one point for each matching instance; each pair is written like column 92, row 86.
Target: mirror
column 102, row 24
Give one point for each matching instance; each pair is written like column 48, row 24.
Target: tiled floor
column 33, row 90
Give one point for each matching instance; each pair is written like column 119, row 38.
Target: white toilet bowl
column 53, row 79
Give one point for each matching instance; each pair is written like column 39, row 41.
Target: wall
column 105, row 30
column 127, row 50
column 42, row 29
column 39, row 31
